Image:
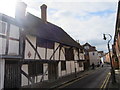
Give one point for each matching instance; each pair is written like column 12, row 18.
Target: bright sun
column 8, row 7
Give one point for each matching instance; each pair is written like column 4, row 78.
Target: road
column 92, row 80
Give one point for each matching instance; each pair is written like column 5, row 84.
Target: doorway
column 53, row 71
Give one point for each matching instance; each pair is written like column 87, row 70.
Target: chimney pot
column 43, row 12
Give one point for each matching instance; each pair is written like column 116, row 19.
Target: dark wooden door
column 52, row 71
column 12, row 75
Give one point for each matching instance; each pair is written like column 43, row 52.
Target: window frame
column 5, row 28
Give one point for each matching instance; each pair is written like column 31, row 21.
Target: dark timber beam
column 33, row 47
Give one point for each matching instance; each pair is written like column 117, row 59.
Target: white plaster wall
column 2, row 68
column 24, row 79
column 75, row 55
column 41, row 51
column 57, row 52
column 59, row 69
column 62, row 56
column 49, row 53
column 79, row 68
column 2, row 45
column 63, row 72
column 94, row 58
column 39, row 78
column 68, row 68
column 81, row 56
column 45, row 66
column 72, row 66
column 28, row 47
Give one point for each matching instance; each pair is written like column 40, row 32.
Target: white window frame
column 5, row 28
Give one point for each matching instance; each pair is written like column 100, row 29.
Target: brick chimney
column 20, row 10
column 43, row 12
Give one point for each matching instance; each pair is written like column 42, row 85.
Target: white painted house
column 34, row 50
column 92, row 54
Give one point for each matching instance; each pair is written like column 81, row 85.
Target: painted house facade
column 92, row 54
column 34, row 50
column 116, row 45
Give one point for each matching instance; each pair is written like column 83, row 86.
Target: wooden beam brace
column 26, row 75
column 54, row 52
column 50, row 59
column 33, row 47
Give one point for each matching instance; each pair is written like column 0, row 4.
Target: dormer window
column 3, row 27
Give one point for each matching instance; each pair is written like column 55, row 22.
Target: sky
column 83, row 20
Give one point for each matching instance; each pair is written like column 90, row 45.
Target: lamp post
column 112, row 69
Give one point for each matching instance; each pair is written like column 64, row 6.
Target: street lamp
column 112, row 69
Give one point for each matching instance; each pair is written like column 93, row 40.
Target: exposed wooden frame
column 26, row 75
column 49, row 59
column 33, row 47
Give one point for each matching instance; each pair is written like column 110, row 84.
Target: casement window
column 45, row 43
column 14, row 31
column 69, row 55
column 35, row 68
column 63, row 65
column 3, row 27
column 13, row 40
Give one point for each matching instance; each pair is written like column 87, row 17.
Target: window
column 3, row 27
column 13, row 47
column 63, row 65
column 45, row 43
column 14, row 31
column 35, row 68
column 69, row 54
column 2, row 46
column 93, row 53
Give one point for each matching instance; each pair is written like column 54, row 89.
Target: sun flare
column 8, row 7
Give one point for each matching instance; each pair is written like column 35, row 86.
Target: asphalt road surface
column 92, row 80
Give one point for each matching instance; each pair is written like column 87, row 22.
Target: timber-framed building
column 34, row 50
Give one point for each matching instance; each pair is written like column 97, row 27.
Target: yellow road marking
column 105, row 81
column 79, row 78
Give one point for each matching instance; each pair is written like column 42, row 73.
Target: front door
column 12, row 75
column 52, row 71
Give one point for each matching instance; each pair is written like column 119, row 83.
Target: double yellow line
column 105, row 81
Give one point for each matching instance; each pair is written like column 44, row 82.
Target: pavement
column 110, row 85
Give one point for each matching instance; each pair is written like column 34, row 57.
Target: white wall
column 24, row 80
column 57, row 52
column 2, row 68
column 94, row 58
column 28, row 47
column 49, row 53
column 41, row 51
